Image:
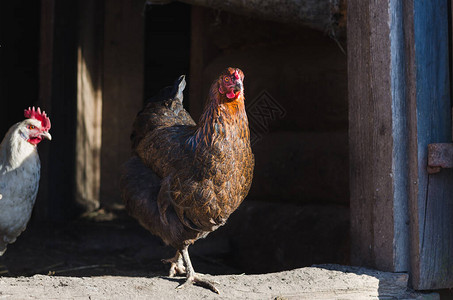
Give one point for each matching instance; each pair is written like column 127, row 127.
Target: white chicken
column 19, row 173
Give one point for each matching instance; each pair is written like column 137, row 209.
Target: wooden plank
column 379, row 230
column 401, row 137
column 123, row 89
column 431, row 201
column 89, row 104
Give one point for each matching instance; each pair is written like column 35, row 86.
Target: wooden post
column 399, row 101
column 378, row 135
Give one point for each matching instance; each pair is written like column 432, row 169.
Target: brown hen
column 184, row 180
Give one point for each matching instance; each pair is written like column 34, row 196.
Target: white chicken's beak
column 46, row 135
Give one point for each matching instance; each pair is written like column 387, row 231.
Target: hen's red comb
column 31, row 113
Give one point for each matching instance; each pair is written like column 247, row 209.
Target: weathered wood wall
column 377, row 138
column 399, row 99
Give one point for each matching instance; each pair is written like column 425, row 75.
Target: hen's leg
column 192, row 277
column 177, row 265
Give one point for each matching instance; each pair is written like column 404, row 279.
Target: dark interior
column 19, row 52
column 297, row 212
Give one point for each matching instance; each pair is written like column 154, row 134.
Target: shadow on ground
column 258, row 238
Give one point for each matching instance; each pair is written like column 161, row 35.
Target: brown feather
column 186, row 180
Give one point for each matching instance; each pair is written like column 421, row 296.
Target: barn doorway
column 111, row 56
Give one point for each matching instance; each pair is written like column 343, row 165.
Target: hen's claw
column 177, row 265
column 200, row 282
column 192, row 277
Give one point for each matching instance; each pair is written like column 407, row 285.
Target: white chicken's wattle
column 20, row 173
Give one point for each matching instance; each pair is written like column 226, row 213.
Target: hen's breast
column 209, row 185
column 225, row 183
column 206, row 171
column 19, row 187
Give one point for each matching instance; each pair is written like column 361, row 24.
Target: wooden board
column 377, row 126
column 431, row 197
column 399, row 100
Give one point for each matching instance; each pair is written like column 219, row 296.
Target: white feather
column 19, row 181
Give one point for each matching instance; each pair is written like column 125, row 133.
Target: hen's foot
column 200, row 282
column 192, row 277
column 177, row 265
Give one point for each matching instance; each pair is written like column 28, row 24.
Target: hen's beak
column 238, row 87
column 46, row 135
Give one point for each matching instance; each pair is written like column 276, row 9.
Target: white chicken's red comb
column 31, row 113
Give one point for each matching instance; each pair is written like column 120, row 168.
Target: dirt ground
column 305, row 283
column 108, row 255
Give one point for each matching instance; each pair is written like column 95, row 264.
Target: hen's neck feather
column 14, row 149
column 221, row 120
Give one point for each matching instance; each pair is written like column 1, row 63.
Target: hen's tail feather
column 140, row 187
column 171, row 92
column 3, row 246
column 164, row 109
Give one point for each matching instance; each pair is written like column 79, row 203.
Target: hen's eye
column 31, row 127
column 226, row 79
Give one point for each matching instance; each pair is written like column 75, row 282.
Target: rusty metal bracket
column 440, row 156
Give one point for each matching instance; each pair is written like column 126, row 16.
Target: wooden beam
column 378, row 139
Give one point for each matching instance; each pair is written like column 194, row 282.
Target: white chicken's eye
column 31, row 127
